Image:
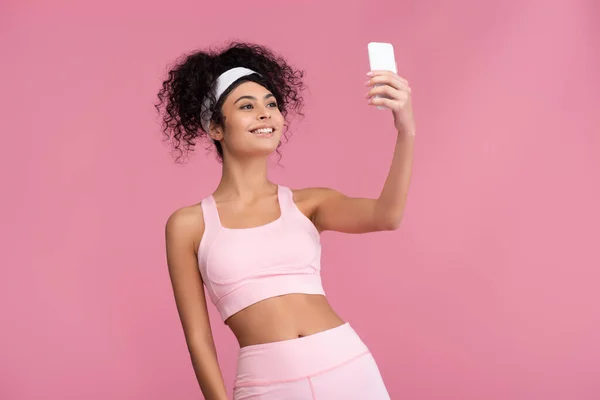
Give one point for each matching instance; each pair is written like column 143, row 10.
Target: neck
column 244, row 179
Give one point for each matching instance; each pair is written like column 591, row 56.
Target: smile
column 263, row 132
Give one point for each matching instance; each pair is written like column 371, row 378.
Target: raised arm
column 183, row 232
column 337, row 212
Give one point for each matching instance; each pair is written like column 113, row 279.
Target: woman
column 254, row 245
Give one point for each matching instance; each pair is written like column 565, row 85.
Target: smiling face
column 252, row 122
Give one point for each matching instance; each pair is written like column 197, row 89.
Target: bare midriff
column 281, row 318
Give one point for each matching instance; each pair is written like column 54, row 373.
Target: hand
column 395, row 95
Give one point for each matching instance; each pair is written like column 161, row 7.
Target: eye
column 273, row 104
column 246, row 107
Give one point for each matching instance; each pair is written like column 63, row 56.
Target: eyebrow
column 253, row 98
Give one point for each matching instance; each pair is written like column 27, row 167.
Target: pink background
column 488, row 291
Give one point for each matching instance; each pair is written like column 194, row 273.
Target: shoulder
column 314, row 195
column 185, row 224
column 310, row 199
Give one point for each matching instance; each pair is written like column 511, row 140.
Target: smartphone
column 381, row 57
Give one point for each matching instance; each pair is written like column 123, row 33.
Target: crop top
column 243, row 266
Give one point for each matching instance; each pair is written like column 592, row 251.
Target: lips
column 263, row 131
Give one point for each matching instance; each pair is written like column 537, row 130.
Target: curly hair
column 190, row 81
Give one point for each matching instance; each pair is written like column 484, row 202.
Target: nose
column 264, row 113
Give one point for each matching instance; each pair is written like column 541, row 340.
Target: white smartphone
column 381, row 57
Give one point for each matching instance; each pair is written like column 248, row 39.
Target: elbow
column 390, row 224
column 388, row 218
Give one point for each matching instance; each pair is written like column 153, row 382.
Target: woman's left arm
column 337, row 212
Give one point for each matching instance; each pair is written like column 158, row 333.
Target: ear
column 215, row 131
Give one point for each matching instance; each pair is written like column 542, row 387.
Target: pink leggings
column 334, row 364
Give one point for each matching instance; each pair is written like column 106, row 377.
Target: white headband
column 223, row 82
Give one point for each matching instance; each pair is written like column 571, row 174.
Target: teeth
column 263, row 130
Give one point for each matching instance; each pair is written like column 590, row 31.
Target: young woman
column 254, row 245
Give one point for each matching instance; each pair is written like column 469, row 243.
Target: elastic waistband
column 289, row 360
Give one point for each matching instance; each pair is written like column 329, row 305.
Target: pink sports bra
column 241, row 267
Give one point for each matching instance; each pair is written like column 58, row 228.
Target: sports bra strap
column 211, row 215
column 286, row 200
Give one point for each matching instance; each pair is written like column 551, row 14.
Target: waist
column 298, row 358
column 282, row 318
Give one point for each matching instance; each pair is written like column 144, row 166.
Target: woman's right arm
column 183, row 231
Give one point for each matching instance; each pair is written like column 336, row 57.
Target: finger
column 387, row 73
column 387, row 80
column 391, row 77
column 382, row 101
column 388, row 91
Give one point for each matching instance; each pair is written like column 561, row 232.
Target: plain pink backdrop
column 488, row 291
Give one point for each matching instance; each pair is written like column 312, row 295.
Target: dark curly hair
column 191, row 79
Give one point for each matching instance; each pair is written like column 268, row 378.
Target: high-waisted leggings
column 331, row 365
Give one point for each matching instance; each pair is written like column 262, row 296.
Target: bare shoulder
column 308, row 199
column 331, row 210
column 314, row 195
column 186, row 225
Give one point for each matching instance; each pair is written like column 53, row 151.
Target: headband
column 224, row 80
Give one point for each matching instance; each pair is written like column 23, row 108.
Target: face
column 253, row 122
